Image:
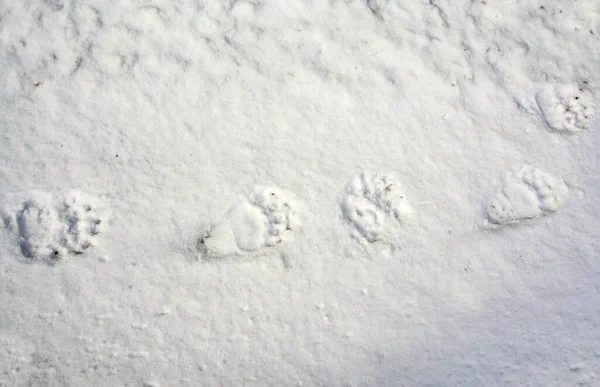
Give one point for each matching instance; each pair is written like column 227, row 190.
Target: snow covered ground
column 301, row 192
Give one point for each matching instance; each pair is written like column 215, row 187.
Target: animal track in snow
column 263, row 220
column 565, row 108
column 80, row 223
column 525, row 193
column 49, row 229
column 375, row 206
column 36, row 225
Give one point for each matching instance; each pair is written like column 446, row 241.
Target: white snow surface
column 130, row 129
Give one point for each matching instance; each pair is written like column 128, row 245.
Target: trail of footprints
column 374, row 206
column 375, row 209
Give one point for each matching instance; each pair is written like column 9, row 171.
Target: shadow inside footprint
column 25, row 240
column 81, row 225
column 33, row 226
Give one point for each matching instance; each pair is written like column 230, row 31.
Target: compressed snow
column 525, row 193
column 166, row 115
column 566, row 108
column 265, row 219
column 373, row 204
column 49, row 228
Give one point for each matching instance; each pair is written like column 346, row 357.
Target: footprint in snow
column 252, row 226
column 36, row 226
column 375, row 206
column 49, row 229
column 525, row 193
column 80, row 222
column 565, row 108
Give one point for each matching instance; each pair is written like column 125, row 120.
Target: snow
column 265, row 219
column 131, row 130
column 373, row 204
column 565, row 108
column 526, row 193
column 49, row 228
